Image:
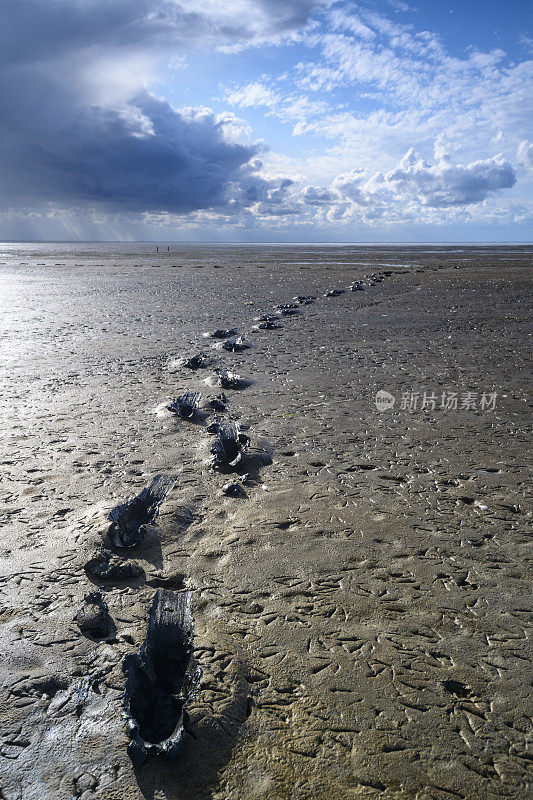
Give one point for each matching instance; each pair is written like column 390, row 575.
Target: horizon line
column 168, row 242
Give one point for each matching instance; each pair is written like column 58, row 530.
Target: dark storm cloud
column 64, row 139
column 145, row 157
column 33, row 29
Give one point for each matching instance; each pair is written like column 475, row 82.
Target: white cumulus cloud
column 525, row 153
column 437, row 185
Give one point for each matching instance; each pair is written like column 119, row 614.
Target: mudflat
column 361, row 600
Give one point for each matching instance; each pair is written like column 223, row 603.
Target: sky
column 266, row 120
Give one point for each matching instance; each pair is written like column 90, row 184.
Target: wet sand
column 363, row 612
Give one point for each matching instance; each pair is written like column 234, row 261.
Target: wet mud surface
column 362, row 606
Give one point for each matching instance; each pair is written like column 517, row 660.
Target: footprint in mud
column 197, row 361
column 230, row 380
column 222, row 333
column 130, row 520
column 219, row 403
column 175, row 580
column 93, row 618
column 104, row 566
column 162, row 679
column 237, row 345
column 270, row 324
column 186, row 404
column 229, row 445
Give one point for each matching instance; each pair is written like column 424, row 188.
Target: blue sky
column 266, row 120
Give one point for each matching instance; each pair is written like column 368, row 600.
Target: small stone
column 233, row 489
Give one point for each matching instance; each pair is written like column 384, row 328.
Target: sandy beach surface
column 363, row 610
